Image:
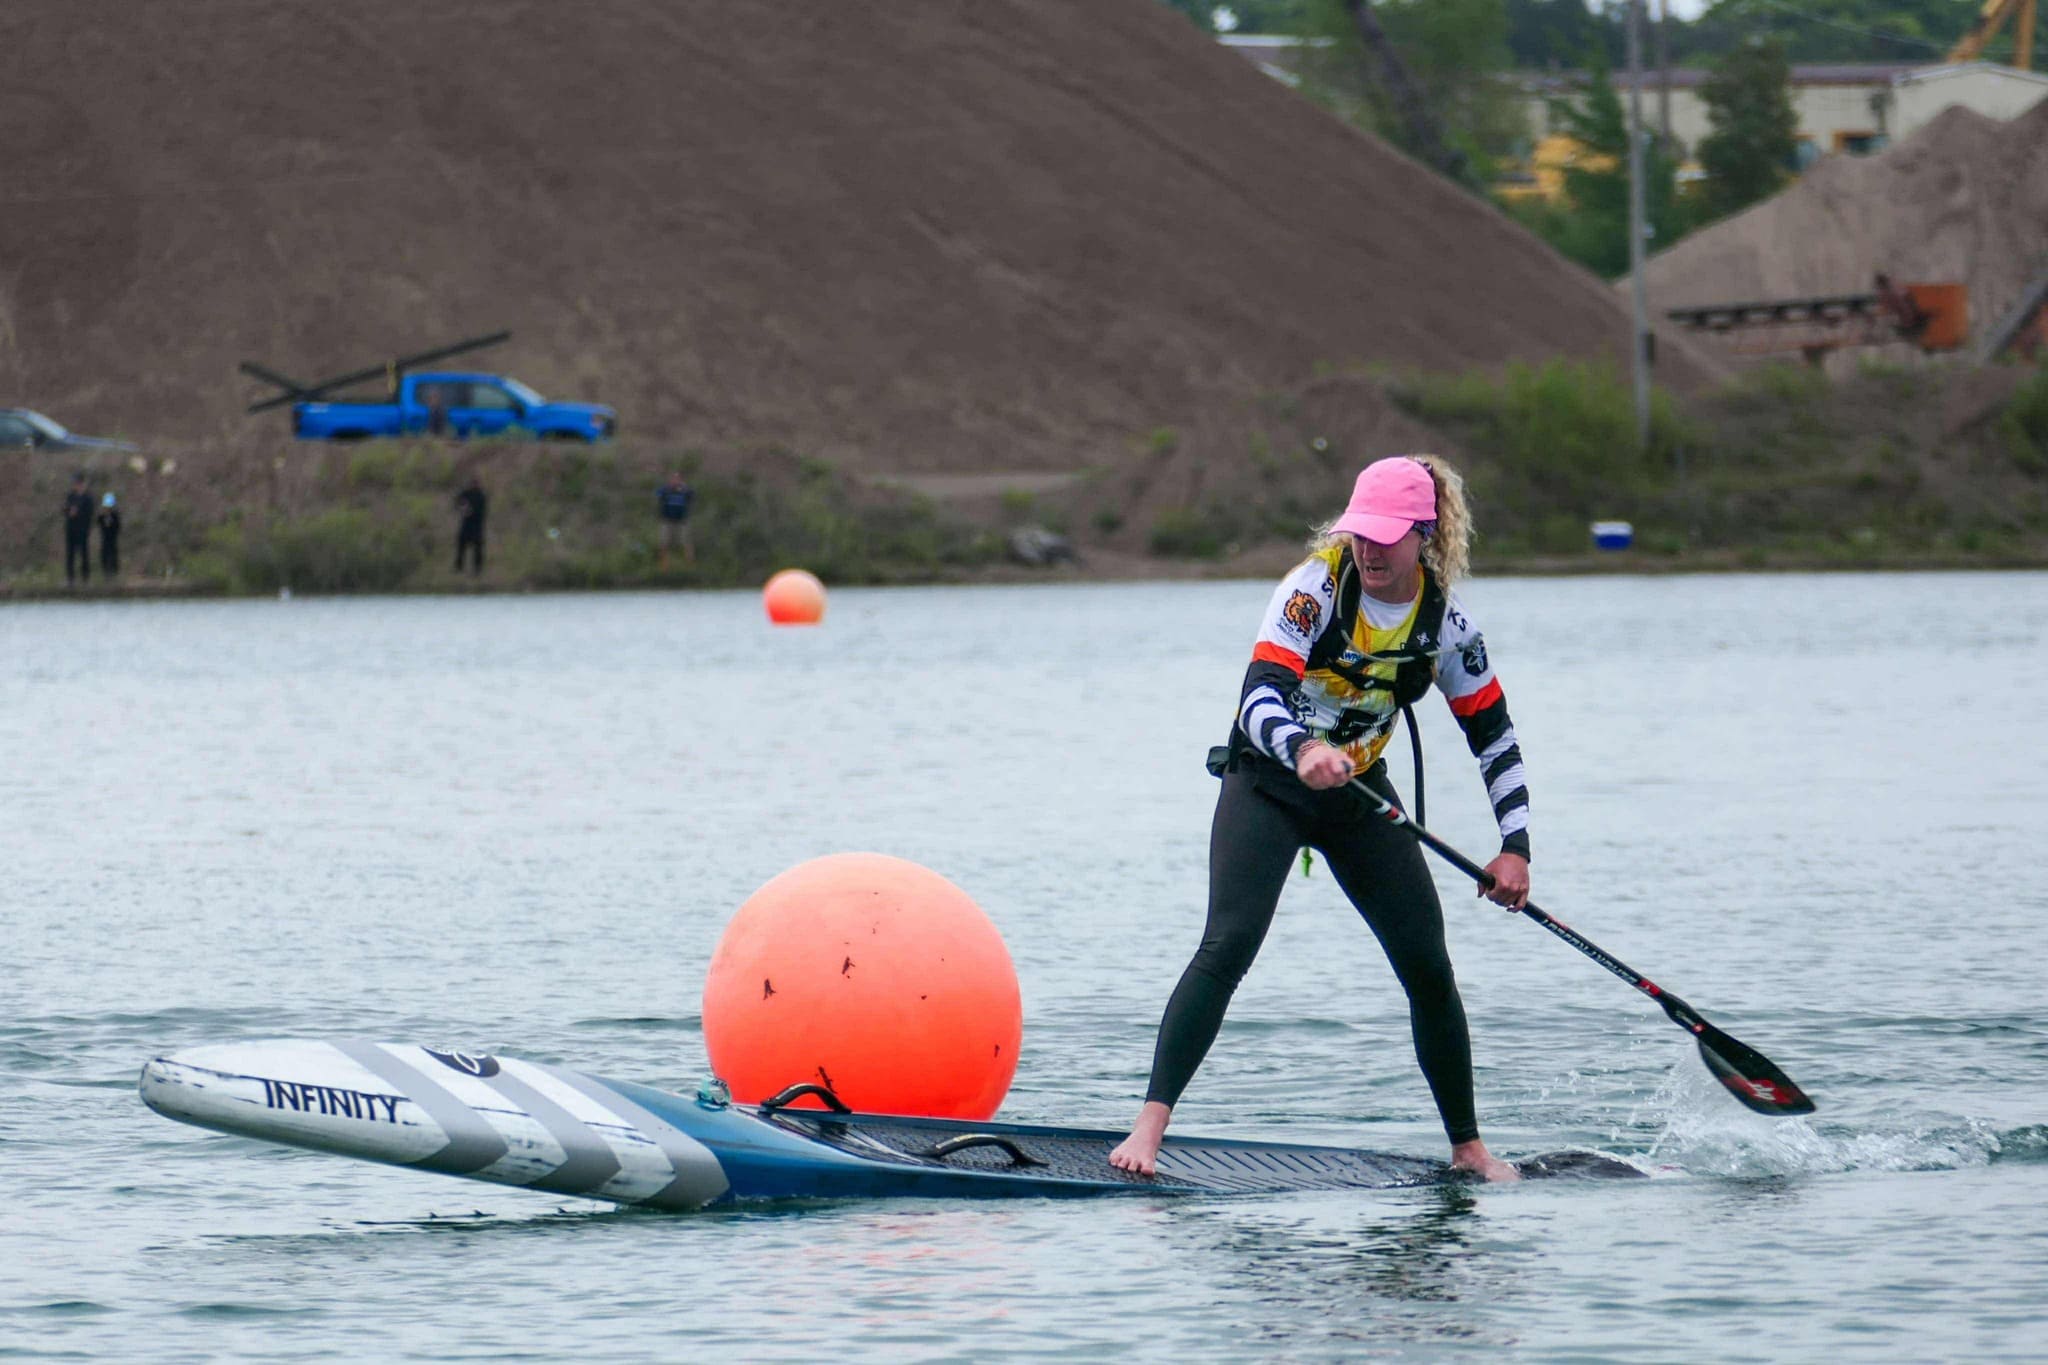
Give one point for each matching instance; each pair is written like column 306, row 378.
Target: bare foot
column 1140, row 1151
column 1473, row 1156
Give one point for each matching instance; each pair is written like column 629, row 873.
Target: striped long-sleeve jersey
column 1322, row 669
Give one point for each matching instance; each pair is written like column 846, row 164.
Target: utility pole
column 1663, row 41
column 1639, row 341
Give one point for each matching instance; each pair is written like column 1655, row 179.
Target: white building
column 2000, row 92
column 1840, row 108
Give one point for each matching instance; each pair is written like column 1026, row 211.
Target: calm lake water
column 1811, row 805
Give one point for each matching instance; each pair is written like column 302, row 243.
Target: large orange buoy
column 872, row 976
column 794, row 597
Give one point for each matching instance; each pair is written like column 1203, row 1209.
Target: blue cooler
column 1613, row 535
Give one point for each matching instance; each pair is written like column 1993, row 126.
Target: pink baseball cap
column 1388, row 499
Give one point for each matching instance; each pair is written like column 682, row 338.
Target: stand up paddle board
column 548, row 1128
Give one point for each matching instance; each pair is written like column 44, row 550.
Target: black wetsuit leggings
column 1263, row 818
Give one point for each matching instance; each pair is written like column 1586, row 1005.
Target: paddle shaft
column 1681, row 1013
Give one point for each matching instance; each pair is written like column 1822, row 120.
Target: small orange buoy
column 794, row 597
column 869, row 975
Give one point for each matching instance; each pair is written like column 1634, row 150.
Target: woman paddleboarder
column 1360, row 629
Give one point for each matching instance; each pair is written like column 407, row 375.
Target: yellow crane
column 1992, row 18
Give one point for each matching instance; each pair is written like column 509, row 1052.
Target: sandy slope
column 954, row 236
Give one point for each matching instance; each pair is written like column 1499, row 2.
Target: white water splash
column 1704, row 1134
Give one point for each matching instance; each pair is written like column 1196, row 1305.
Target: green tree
column 1591, row 225
column 1748, row 154
column 1917, row 31
column 1547, row 34
column 1456, row 53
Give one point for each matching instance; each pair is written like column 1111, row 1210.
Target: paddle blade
column 1750, row 1076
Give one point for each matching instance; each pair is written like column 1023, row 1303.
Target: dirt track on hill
column 961, row 236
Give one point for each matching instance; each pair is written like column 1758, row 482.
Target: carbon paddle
column 1749, row 1076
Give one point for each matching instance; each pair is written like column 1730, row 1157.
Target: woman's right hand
column 1321, row 766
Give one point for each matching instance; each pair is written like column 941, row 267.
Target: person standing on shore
column 469, row 533
column 110, row 536
column 78, row 532
column 673, row 500
column 1360, row 629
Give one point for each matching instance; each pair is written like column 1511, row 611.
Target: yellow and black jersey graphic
column 1324, row 673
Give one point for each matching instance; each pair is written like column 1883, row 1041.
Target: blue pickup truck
column 453, row 404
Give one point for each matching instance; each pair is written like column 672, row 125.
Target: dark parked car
column 23, row 429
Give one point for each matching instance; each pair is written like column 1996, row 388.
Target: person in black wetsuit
column 1363, row 627
column 469, row 533
column 673, row 500
column 78, row 532
column 110, row 536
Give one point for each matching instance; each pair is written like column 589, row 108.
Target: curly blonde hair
column 1448, row 551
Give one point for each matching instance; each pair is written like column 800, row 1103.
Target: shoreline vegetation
column 1928, row 467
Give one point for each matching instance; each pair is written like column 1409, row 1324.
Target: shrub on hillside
column 1186, row 533
column 403, row 466
column 2024, row 424
column 1564, row 431
column 343, row 549
column 748, row 526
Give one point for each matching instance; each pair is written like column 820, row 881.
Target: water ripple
column 519, row 826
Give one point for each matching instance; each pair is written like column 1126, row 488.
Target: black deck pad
column 1186, row 1165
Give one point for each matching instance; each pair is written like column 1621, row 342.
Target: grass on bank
column 585, row 519
column 1784, row 462
column 380, row 517
column 1556, row 442
column 1891, row 465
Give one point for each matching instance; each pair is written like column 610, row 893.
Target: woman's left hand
column 1507, row 881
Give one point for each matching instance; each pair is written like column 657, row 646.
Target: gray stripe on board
column 472, row 1143
column 591, row 1160
column 699, row 1177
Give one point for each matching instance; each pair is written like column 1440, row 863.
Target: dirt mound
column 1964, row 199
column 963, row 235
